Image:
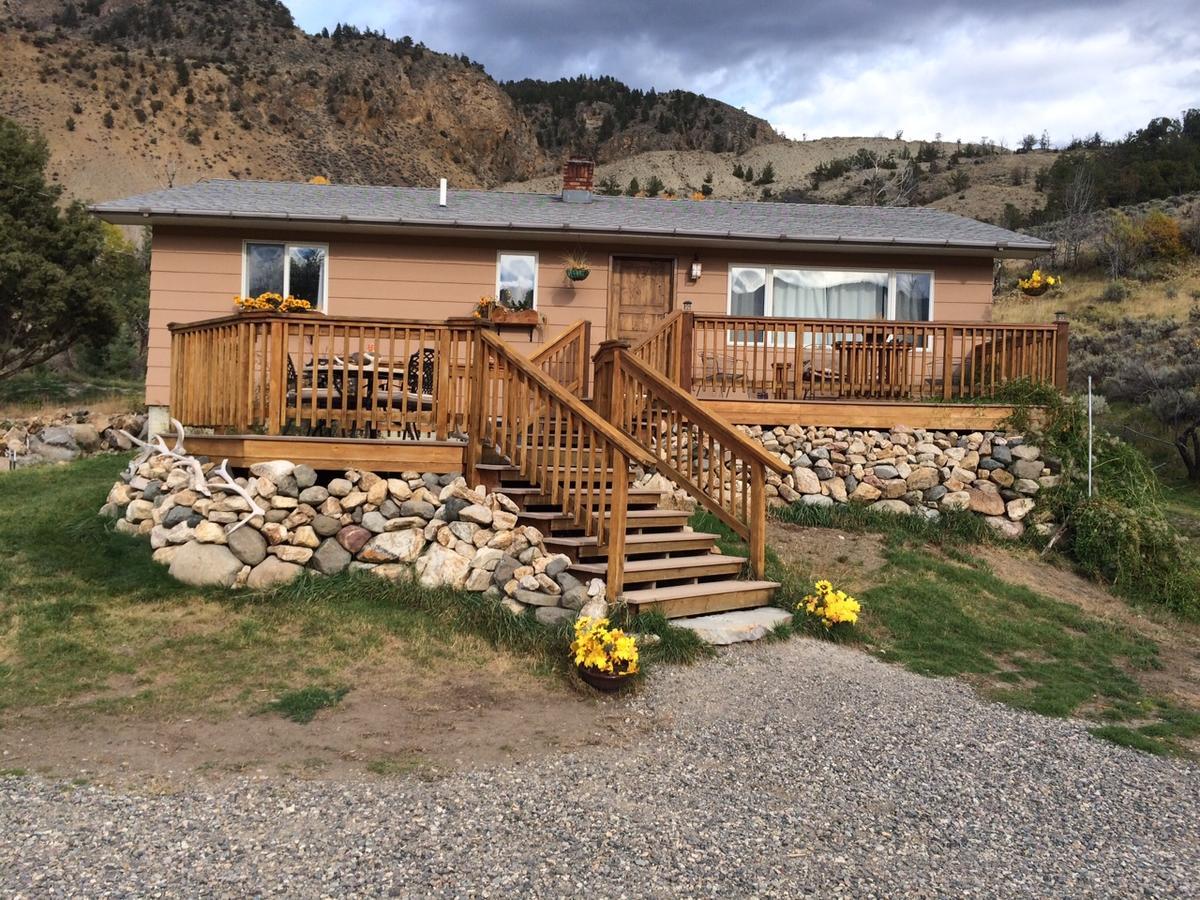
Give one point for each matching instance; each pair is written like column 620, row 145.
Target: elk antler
column 228, row 484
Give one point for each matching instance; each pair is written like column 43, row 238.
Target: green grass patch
column 945, row 618
column 303, row 705
column 88, row 620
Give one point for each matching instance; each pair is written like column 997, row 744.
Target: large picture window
column 777, row 291
column 801, row 293
column 285, row 268
column 516, row 280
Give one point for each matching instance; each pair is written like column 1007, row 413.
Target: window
column 830, row 294
column 516, row 280
column 283, row 268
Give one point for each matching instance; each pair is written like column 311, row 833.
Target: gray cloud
column 824, row 67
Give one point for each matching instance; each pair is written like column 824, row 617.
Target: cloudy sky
column 964, row 68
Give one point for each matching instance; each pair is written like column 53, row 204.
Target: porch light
column 687, row 305
column 697, row 269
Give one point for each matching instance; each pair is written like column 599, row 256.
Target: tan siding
column 195, row 274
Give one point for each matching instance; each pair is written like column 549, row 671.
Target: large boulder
column 55, row 443
column 988, row 503
column 272, row 571
column 441, row 567
column 396, row 546
column 85, row 435
column 205, row 564
column 330, row 558
column 806, row 481
column 247, row 545
column 274, row 470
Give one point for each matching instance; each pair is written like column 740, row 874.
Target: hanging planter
column 577, row 266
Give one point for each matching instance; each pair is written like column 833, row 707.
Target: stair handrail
column 556, row 441
column 572, row 348
column 638, row 400
column 667, row 349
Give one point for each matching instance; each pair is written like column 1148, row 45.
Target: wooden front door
column 640, row 295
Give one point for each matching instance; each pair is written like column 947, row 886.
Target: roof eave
column 211, row 218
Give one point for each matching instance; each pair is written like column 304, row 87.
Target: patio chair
column 724, row 371
column 812, row 378
column 414, row 395
column 303, row 394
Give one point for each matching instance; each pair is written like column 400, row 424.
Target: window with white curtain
column 796, row 293
column 811, row 294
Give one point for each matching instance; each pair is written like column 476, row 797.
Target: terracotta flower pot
column 602, row 681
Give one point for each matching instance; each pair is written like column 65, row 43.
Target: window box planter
column 502, row 316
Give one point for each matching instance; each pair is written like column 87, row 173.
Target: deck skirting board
column 861, row 414
column 331, row 454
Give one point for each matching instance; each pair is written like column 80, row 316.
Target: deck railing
column 665, row 349
column 557, row 441
column 323, row 375
column 827, row 359
column 701, row 452
column 567, row 358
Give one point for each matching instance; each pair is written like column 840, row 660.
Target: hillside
column 607, row 120
column 138, row 94
column 979, row 186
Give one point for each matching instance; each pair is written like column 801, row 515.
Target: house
column 694, row 316
column 415, row 253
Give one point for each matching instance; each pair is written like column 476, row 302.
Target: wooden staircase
column 668, row 568
column 568, row 463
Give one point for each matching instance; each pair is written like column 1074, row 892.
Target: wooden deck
column 332, row 454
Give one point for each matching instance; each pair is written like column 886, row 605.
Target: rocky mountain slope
column 138, row 94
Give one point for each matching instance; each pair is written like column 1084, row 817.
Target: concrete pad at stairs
column 733, row 627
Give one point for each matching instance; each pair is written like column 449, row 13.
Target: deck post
column 687, row 340
column 758, row 519
column 473, row 454
column 585, row 359
column 947, row 362
column 278, row 389
column 1061, row 342
column 605, row 362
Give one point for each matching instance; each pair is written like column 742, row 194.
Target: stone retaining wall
column 64, row 436
column 290, row 521
column 913, row 471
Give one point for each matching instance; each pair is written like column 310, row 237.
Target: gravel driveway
column 789, row 769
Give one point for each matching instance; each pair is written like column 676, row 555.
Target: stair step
column 645, row 571
column 634, row 518
column 681, row 600
column 581, row 547
column 637, row 497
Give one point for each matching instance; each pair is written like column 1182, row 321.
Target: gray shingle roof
column 418, row 207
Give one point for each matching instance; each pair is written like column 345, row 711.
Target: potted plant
column 577, row 265
column 1038, row 283
column 607, row 658
column 269, row 301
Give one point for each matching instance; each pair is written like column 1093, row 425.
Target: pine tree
column 634, row 188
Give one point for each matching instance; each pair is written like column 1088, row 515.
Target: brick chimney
column 577, row 180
